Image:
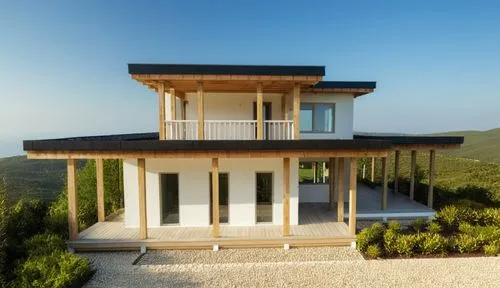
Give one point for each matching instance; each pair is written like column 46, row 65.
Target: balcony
column 228, row 130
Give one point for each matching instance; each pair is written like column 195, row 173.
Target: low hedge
column 456, row 229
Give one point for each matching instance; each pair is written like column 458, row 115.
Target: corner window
column 317, row 117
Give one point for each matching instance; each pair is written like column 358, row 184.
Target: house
column 224, row 168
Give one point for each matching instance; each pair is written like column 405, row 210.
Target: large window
column 317, row 117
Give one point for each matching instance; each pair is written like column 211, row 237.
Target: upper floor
column 228, row 102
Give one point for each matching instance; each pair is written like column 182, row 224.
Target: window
column 169, row 198
column 317, row 117
column 264, row 207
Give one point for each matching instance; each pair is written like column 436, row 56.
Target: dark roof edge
column 211, row 69
column 412, row 140
column 345, row 85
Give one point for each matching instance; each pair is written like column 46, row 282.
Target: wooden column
column 385, row 184
column 373, row 170
column 352, row 194
column 260, row 120
column 99, row 168
column 314, row 168
column 432, row 160
column 396, row 171
column 72, row 200
column 286, row 116
column 340, row 189
column 161, row 105
column 296, row 111
column 200, row 96
column 143, row 222
column 173, row 104
column 286, row 196
column 215, row 198
column 331, row 183
column 413, row 165
column 324, row 172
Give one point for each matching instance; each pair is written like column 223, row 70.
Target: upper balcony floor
column 227, row 102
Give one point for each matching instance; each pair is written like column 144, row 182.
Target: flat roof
column 345, row 85
column 413, row 139
column 201, row 69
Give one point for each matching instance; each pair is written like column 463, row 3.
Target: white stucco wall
column 194, row 190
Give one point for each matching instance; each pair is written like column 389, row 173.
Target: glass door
column 264, row 193
column 169, row 184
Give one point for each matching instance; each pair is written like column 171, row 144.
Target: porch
column 318, row 226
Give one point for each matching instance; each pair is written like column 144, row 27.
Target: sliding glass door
column 264, row 193
column 169, row 185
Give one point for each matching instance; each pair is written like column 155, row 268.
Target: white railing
column 229, row 129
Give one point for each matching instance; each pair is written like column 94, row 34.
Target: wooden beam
column 396, row 171
column 296, row 111
column 201, row 108
column 372, row 178
column 331, row 183
column 123, row 154
column 352, row 194
column 99, row 168
column 72, row 200
column 340, row 189
column 161, row 105
column 143, row 222
column 260, row 120
column 215, row 198
column 173, row 104
column 413, row 166
column 286, row 196
column 384, row 184
column 432, row 168
column 425, row 147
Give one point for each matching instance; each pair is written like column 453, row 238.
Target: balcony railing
column 229, row 129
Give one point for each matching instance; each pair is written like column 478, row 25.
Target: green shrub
column 390, row 237
column 44, row 244
column 406, row 244
column 394, row 225
column 56, row 220
column 370, row 235
column 468, row 203
column 373, row 251
column 419, row 225
column 3, row 234
column 432, row 243
column 434, row 228
column 492, row 249
column 26, row 219
column 489, row 216
column 465, row 243
column 59, row 269
column 483, row 234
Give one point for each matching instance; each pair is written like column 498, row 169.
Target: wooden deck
column 317, row 227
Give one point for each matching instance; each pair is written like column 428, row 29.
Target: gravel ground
column 116, row 270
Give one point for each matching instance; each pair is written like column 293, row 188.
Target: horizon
column 63, row 65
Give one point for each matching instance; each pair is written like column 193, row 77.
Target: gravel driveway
column 301, row 267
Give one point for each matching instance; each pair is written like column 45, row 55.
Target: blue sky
column 63, row 64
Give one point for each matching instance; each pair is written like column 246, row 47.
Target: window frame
column 313, row 121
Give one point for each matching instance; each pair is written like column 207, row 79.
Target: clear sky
column 63, row 64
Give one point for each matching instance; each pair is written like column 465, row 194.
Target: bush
column 56, row 220
column 466, row 244
column 373, row 251
column 432, row 243
column 390, row 237
column 394, row 225
column 406, row 244
column 489, row 216
column 44, row 244
column 370, row 235
column 482, row 234
column 419, row 225
column 26, row 219
column 3, row 234
column 434, row 228
column 492, row 249
column 59, row 269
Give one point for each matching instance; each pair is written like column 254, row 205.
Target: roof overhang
column 412, row 142
column 226, row 78
column 358, row 88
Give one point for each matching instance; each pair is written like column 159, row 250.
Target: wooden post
column 432, row 164
column 385, row 183
column 200, row 96
column 286, row 196
column 99, row 168
column 161, row 104
column 373, row 170
column 215, row 198
column 340, row 189
column 331, row 183
column 396, row 172
column 72, row 200
column 286, row 116
column 173, row 104
column 352, row 195
column 260, row 120
column 412, row 173
column 296, row 111
column 314, row 171
column 143, row 222
column 324, row 172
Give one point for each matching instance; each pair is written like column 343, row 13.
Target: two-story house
column 224, row 168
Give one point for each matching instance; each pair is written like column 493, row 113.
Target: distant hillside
column 478, row 145
column 42, row 179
